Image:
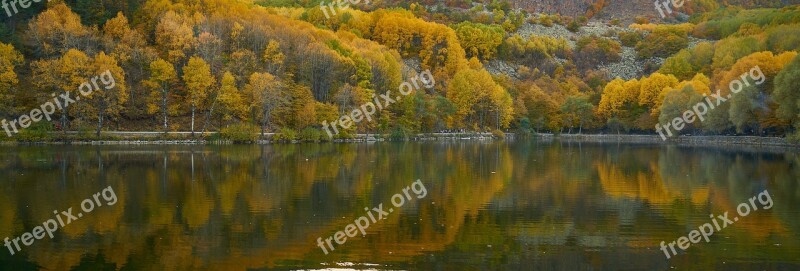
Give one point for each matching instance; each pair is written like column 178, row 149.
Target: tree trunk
column 164, row 109
column 264, row 122
column 193, row 110
column 99, row 123
column 208, row 116
column 100, row 116
column 64, row 122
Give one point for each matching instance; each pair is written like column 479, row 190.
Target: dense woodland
column 284, row 67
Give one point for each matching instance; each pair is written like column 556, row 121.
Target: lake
column 502, row 205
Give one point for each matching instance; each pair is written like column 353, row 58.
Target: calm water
column 489, row 206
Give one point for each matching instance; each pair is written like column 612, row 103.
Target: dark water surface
column 487, row 206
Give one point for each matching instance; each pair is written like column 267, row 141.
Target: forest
column 244, row 67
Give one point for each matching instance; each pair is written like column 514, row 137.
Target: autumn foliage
column 184, row 66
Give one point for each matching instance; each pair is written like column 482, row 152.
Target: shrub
column 285, row 135
column 84, row 131
column 310, row 134
column 592, row 51
column 662, row 43
column 682, row 29
column 534, row 50
column 582, row 20
column 344, row 134
column 546, row 21
column 399, row 133
column 573, row 26
column 630, row 39
column 784, row 38
column 499, row 134
column 38, row 131
column 240, row 133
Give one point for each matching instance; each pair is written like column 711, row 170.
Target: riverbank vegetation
column 265, row 66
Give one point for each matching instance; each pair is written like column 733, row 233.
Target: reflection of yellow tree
column 8, row 213
column 197, row 206
column 640, row 185
column 157, row 212
column 230, row 188
column 264, row 214
column 465, row 188
column 659, row 181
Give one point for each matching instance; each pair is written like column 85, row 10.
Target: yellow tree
column 56, row 30
column 174, row 36
column 273, row 56
column 62, row 75
column 264, row 93
column 619, row 102
column 129, row 47
column 236, row 35
column 467, row 87
column 162, row 76
column 210, row 48
column 652, row 89
column 122, row 42
column 612, row 99
column 476, row 96
column 109, row 98
column 198, row 80
column 300, row 111
column 9, row 59
column 232, row 104
column 542, row 110
column 480, row 40
column 503, row 106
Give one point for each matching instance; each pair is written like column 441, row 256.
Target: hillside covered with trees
column 285, row 67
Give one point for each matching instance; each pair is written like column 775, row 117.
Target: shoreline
column 680, row 140
column 152, row 138
column 155, row 138
column 751, row 144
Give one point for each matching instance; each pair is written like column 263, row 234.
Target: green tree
column 480, row 40
column 577, row 109
column 787, row 93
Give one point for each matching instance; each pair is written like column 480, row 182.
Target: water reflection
column 490, row 206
